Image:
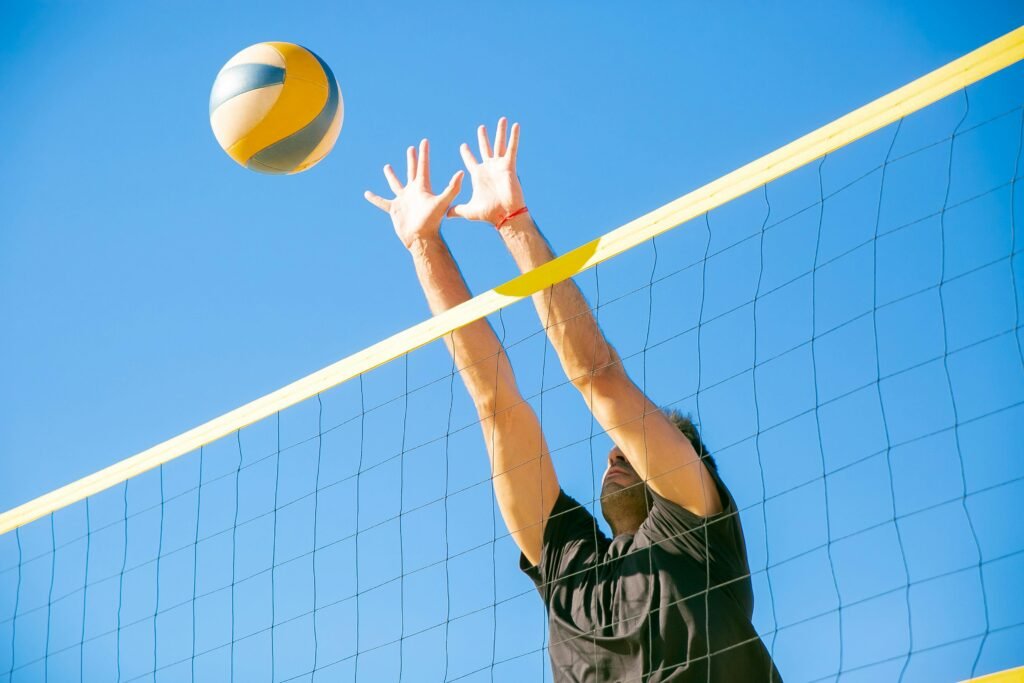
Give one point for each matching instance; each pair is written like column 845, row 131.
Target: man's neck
column 626, row 526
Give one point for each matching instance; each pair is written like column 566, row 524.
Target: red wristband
column 510, row 216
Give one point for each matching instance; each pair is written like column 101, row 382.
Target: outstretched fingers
column 506, row 143
column 378, row 201
column 459, row 211
column 485, row 144
column 393, row 182
column 499, row 137
column 513, row 143
column 467, row 157
column 417, row 164
column 452, row 191
column 423, row 168
column 410, row 164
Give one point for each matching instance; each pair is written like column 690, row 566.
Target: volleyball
column 276, row 108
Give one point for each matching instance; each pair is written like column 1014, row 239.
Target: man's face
column 624, row 500
column 619, row 474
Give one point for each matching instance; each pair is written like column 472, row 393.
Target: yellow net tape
column 916, row 95
column 1008, row 676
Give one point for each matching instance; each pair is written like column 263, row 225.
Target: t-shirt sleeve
column 716, row 540
column 571, row 543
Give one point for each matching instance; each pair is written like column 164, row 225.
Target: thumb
column 459, row 211
column 454, row 186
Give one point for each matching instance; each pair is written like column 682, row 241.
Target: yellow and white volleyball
column 276, row 108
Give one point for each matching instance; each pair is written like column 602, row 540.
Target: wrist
column 525, row 243
column 422, row 244
column 515, row 226
column 511, row 205
column 517, row 215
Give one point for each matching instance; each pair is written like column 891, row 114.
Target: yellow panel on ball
column 276, row 108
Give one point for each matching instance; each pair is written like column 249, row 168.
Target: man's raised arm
column 657, row 450
column 524, row 479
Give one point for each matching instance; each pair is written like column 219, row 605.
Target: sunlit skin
column 624, row 498
column 652, row 456
column 653, row 461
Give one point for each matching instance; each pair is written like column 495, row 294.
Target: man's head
column 625, row 498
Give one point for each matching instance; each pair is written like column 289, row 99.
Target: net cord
column 963, row 569
column 956, row 75
column 817, row 414
column 705, row 538
column 881, row 403
column 727, row 447
column 949, row 384
column 23, row 613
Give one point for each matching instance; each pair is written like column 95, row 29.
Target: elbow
column 491, row 399
column 486, row 405
column 501, row 415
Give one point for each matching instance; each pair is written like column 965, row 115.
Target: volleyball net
column 842, row 320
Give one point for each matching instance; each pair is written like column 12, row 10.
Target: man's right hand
column 496, row 188
column 416, row 212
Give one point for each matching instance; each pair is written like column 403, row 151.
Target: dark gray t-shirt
column 638, row 608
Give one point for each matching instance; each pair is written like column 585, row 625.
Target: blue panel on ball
column 254, row 165
column 243, row 78
column 287, row 153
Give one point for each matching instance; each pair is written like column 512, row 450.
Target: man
column 669, row 598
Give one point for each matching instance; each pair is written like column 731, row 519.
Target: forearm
column 569, row 322
column 479, row 356
column 524, row 479
column 655, row 448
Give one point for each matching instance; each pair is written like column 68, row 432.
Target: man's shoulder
column 568, row 515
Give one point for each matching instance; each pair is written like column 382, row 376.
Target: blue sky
column 148, row 284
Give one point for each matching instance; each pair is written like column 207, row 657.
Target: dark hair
column 689, row 430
